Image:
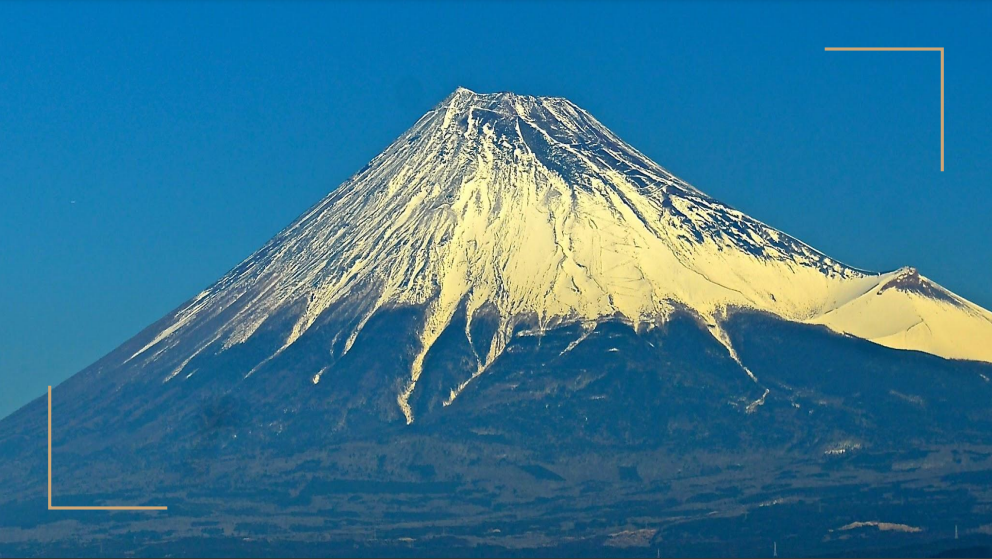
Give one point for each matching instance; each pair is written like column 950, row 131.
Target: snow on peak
column 905, row 310
column 531, row 207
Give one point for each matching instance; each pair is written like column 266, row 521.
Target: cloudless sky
column 145, row 149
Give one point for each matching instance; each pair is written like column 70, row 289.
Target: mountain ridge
column 467, row 205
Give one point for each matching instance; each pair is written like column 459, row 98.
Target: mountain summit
column 511, row 333
column 528, row 208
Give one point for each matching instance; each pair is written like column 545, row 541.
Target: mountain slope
column 905, row 310
column 512, row 333
column 531, row 206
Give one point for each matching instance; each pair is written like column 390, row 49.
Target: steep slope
column 529, row 205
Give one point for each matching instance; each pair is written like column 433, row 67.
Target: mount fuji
column 513, row 333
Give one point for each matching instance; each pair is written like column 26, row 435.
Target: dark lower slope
column 620, row 444
column 885, row 398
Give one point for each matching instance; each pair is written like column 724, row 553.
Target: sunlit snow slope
column 529, row 207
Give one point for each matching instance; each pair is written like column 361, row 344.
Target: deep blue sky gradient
column 145, row 149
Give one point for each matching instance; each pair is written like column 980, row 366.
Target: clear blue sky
column 145, row 149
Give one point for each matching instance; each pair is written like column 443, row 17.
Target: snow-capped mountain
column 529, row 207
column 509, row 334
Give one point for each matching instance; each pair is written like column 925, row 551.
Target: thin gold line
column 108, row 508
column 50, row 507
column 917, row 49
column 49, row 448
column 941, row 109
